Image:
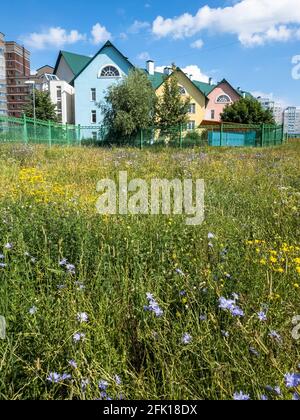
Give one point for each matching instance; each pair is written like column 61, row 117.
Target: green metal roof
column 206, row 88
column 76, row 62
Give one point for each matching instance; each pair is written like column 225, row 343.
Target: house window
column 191, row 125
column 93, row 117
column 192, row 109
column 223, row 99
column 94, row 135
column 212, row 114
column 93, row 94
column 110, row 71
column 182, row 90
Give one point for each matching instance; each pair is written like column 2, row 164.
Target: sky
column 254, row 44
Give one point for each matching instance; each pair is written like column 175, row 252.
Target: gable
column 68, row 65
column 224, row 88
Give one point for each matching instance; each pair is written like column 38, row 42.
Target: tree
column 247, row 111
column 172, row 110
column 129, row 106
column 45, row 110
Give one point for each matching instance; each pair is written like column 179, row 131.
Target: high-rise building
column 17, row 73
column 3, row 99
column 276, row 108
column 292, row 120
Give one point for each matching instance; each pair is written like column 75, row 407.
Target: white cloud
column 53, row 37
column 144, row 56
column 100, row 34
column 191, row 70
column 255, row 22
column 138, row 26
column 272, row 97
column 197, row 44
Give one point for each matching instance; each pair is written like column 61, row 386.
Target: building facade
column 3, row 93
column 276, row 108
column 292, row 120
column 17, row 60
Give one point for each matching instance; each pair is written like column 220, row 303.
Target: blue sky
column 252, row 43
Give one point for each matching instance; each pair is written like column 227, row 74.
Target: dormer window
column 109, row 72
column 223, row 99
column 182, row 90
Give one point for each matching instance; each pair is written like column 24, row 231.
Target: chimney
column 244, row 95
column 191, row 76
column 167, row 71
column 150, row 67
column 210, row 81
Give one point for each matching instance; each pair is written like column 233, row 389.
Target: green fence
column 31, row 131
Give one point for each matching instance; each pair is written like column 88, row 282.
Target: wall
column 64, row 72
column 67, row 99
column 222, row 89
column 89, row 79
column 192, row 92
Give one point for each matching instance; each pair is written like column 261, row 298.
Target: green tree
column 129, row 106
column 247, row 111
column 172, row 109
column 44, row 108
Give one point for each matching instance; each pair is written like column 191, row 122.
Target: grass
column 47, row 207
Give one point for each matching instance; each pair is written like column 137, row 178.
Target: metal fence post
column 49, row 134
column 79, row 134
column 142, row 139
column 25, row 133
column 181, row 139
column 262, row 135
column 221, row 134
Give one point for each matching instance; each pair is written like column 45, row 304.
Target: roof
column 106, row 45
column 76, row 62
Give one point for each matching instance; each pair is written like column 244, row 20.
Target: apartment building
column 3, row 99
column 17, row 60
column 276, row 108
column 292, row 120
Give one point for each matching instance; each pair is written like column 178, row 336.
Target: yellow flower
column 273, row 260
column 296, row 286
column 298, row 269
column 263, row 262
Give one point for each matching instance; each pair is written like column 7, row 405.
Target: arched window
column 182, row 90
column 110, row 71
column 223, row 99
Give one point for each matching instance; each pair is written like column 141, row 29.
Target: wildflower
column 8, row 246
column 262, row 316
column 240, row 396
column 180, row 272
column 77, row 337
column 80, row 285
column 103, row 385
column 264, row 398
column 235, row 296
column 203, row 318
column 73, row 364
column 225, row 334
column 187, row 339
column 230, row 305
column 277, row 390
column 118, row 380
column 296, row 397
column 153, row 306
column 292, row 380
column 183, row 293
column 65, row 377
column 2, row 265
column 254, row 351
column 70, row 268
column 54, row 377
column 84, row 384
column 33, row 310
column 63, row 262
column 82, row 317
column 275, row 335
column 210, row 235
column 2, row 257
column 62, row 286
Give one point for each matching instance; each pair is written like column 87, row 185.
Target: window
column 110, row 71
column 94, row 135
column 58, row 93
column 182, row 90
column 212, row 114
column 223, row 99
column 191, row 125
column 93, row 117
column 93, row 94
column 192, row 109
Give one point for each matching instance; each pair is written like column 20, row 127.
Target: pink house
column 219, row 96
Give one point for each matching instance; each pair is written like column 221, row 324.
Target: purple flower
column 65, row 377
column 275, row 335
column 240, row 396
column 2, row 265
column 183, row 293
column 77, row 337
column 292, row 380
column 103, row 385
column 73, row 364
column 118, row 380
column 8, row 246
column 264, row 398
column 210, row 235
column 84, row 384
column 203, row 318
column 153, row 306
column 254, row 351
column 82, row 317
column 296, row 397
column 262, row 316
column 63, row 262
column 2, row 257
column 230, row 305
column 180, row 272
column 71, row 268
column 54, row 377
column 225, row 334
column 187, row 339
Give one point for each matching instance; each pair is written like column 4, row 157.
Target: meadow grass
column 249, row 245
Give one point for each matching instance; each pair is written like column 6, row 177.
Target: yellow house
column 187, row 88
